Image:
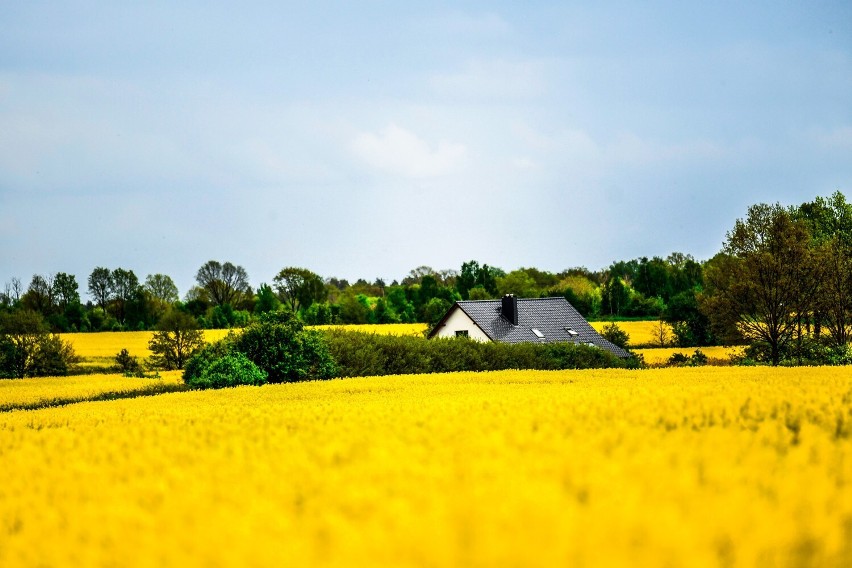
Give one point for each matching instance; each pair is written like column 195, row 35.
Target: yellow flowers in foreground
column 668, row 467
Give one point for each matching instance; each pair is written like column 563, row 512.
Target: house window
column 538, row 334
column 571, row 332
column 461, row 333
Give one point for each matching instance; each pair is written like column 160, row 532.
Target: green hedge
column 360, row 354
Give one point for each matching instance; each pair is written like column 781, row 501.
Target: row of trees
column 782, row 281
column 223, row 297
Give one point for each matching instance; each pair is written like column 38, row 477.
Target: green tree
column 27, row 349
column 830, row 224
column 520, row 283
column 434, row 310
column 161, row 293
column 65, row 290
column 299, row 287
column 125, row 289
column 764, row 279
column 177, row 338
column 101, row 286
column 266, row 300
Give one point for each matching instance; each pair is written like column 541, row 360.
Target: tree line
column 781, row 280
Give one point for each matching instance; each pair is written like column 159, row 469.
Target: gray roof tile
column 553, row 317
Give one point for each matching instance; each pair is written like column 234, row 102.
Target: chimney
column 509, row 308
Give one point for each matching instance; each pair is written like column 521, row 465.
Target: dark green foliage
column 286, row 352
column 365, row 354
column 697, row 359
column 127, row 363
column 231, row 370
column 27, row 349
column 275, row 349
column 690, row 326
column 267, row 301
column 435, row 310
column 801, row 351
column 615, row 335
column 176, row 340
column 206, row 356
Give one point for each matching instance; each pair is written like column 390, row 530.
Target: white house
column 517, row 320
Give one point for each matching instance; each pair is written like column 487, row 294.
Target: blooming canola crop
column 665, row 467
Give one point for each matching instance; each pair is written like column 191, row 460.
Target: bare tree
column 16, row 288
column 225, row 283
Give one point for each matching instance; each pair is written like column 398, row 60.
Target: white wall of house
column 460, row 321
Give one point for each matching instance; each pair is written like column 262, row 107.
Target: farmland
column 676, row 467
column 97, row 350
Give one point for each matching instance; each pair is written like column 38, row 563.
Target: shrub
column 231, row 370
column 127, row 363
column 365, row 354
column 206, row 356
column 615, row 335
column 27, row 349
column 279, row 345
column 697, row 359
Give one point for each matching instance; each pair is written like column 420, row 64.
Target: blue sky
column 363, row 139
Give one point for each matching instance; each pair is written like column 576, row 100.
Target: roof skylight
column 538, row 334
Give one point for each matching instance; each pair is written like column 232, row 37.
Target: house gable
column 457, row 322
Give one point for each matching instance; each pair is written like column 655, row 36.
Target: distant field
column 640, row 332
column 416, row 329
column 100, row 349
column 716, row 354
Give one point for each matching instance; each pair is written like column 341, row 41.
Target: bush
column 127, row 363
column 364, row 354
column 231, row 370
column 697, row 359
column 615, row 335
column 27, row 349
column 206, row 356
column 279, row 345
column 278, row 348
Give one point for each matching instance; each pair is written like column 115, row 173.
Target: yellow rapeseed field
column 101, row 348
column 416, row 329
column 640, row 332
column 715, row 354
column 718, row 466
column 31, row 392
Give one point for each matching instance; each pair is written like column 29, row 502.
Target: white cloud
column 400, row 151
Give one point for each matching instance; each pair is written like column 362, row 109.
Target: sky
column 364, row 139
